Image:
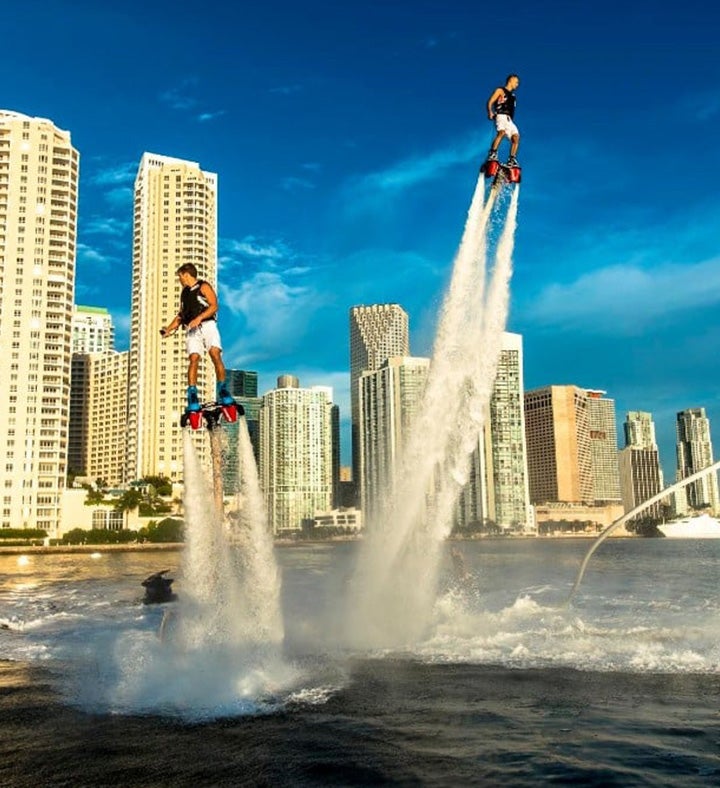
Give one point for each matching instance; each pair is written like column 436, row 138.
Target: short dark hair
column 510, row 76
column 187, row 268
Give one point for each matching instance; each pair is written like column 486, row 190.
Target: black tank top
column 505, row 105
column 193, row 303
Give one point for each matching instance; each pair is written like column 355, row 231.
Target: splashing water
column 255, row 558
column 395, row 583
column 219, row 650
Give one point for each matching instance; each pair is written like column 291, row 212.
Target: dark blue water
column 509, row 687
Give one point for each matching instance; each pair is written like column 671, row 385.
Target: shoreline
column 178, row 546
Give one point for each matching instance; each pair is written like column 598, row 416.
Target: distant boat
column 701, row 527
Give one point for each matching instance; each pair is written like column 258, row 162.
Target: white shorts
column 505, row 124
column 201, row 339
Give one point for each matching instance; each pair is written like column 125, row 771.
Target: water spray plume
column 397, row 567
column 633, row 513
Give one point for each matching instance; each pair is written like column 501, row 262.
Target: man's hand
column 491, row 115
column 194, row 323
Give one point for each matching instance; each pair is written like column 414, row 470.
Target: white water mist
column 395, row 583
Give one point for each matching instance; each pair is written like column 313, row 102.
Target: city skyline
column 346, row 153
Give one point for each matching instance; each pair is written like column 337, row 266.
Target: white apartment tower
column 38, row 220
column 389, row 399
column 639, row 430
column 377, row 333
column 695, row 452
column 640, row 473
column 498, row 488
column 174, row 223
column 296, row 453
column 508, row 490
column 92, row 330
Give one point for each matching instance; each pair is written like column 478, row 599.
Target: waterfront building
column 389, row 399
column 602, row 429
column 38, row 227
column 639, row 464
column 98, row 405
column 174, row 222
column 694, row 452
column 497, row 492
column 98, row 416
column 296, row 453
column 558, row 445
column 639, row 430
column 377, row 333
column 243, row 387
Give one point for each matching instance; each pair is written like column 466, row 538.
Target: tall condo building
column 639, row 463
column 558, row 445
column 603, row 447
column 695, row 452
column 497, row 488
column 98, row 416
column 296, row 453
column 639, row 430
column 174, row 223
column 243, row 385
column 92, row 330
column 508, row 490
column 389, row 398
column 38, row 220
column 377, row 333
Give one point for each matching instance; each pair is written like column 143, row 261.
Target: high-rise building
column 558, row 445
column 639, row 430
column 603, row 447
column 377, row 333
column 497, row 488
column 508, row 491
column 296, row 453
column 242, row 385
column 242, row 382
column 98, row 416
column 174, row 223
column 695, row 452
column 95, row 447
column 92, row 330
column 38, row 222
column 640, row 474
column 389, row 399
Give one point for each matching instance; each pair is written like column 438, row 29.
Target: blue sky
column 347, row 138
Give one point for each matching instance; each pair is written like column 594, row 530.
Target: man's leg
column 492, row 153
column 514, row 141
column 194, row 361
column 192, row 394
column 222, row 393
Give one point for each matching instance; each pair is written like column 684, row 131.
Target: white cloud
column 419, row 169
column 179, row 97
column 270, row 312
column 118, row 174
column 624, row 299
column 120, row 197
column 94, row 258
column 204, row 117
column 250, row 247
column 273, row 303
column 106, row 225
